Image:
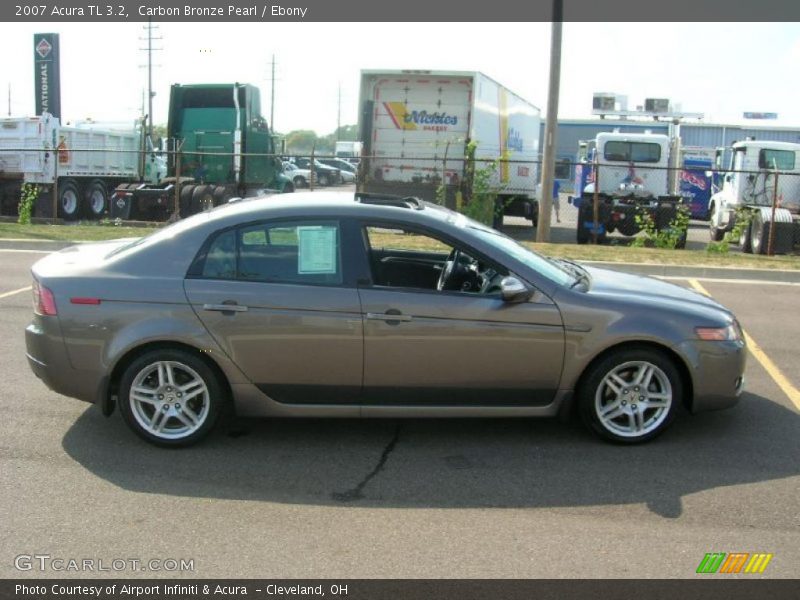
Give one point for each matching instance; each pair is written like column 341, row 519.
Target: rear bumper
column 717, row 372
column 47, row 358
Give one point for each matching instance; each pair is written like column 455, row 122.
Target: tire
column 184, row 421
column 582, row 235
column 202, row 199
column 95, row 199
column 69, row 200
column 759, row 234
column 746, row 239
column 300, row 182
column 323, row 180
column 608, row 385
column 185, row 200
column 288, row 188
column 681, row 243
column 715, row 234
column 220, row 194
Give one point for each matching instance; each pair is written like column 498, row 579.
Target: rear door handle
column 225, row 307
column 389, row 317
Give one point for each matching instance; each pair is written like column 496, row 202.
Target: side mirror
column 513, row 290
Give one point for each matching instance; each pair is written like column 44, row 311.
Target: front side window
column 292, row 252
column 409, row 259
column 638, row 152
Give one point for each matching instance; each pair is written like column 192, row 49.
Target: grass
column 70, row 233
column 606, row 253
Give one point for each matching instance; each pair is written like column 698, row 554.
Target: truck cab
column 218, row 124
column 750, row 182
column 632, row 164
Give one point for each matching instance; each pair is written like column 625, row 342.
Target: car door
column 427, row 347
column 278, row 300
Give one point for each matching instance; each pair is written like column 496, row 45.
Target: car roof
column 318, row 203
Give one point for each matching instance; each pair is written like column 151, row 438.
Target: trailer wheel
column 95, row 199
column 69, row 204
column 759, row 234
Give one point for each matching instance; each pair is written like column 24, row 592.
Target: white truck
column 749, row 188
column 416, row 127
column 81, row 164
column 350, row 151
column 637, row 171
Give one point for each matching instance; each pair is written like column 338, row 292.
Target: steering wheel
column 447, row 280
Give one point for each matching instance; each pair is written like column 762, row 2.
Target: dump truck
column 417, row 128
column 749, row 191
column 219, row 147
column 78, row 166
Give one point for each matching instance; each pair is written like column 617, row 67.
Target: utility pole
column 338, row 110
column 272, row 99
column 149, row 29
column 548, row 157
column 9, row 98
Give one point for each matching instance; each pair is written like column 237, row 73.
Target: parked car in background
column 300, row 177
column 346, row 169
column 325, row 175
column 335, row 304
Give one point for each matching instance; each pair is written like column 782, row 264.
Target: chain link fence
column 606, row 203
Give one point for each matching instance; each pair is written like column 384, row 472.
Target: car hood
column 606, row 282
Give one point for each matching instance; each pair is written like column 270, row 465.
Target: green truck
column 219, row 147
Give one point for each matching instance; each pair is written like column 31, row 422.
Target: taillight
column 44, row 303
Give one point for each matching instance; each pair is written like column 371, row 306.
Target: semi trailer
column 417, row 128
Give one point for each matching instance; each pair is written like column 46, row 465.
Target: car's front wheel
column 630, row 395
column 170, row 397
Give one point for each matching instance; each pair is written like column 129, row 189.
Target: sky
column 719, row 69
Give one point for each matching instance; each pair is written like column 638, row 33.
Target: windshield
column 546, row 267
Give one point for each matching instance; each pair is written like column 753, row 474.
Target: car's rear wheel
column 170, row 397
column 631, row 395
column 300, row 182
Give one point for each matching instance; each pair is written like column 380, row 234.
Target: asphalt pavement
column 405, row 498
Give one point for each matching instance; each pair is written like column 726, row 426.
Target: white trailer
column 416, row 125
column 80, row 164
column 749, row 187
column 350, row 151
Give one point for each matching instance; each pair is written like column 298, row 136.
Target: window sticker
column 317, row 250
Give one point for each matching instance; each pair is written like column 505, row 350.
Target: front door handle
column 389, row 317
column 225, row 307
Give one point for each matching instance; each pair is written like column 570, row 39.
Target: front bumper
column 717, row 370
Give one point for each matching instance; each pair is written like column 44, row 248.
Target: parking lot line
column 770, row 367
column 721, row 280
column 12, row 292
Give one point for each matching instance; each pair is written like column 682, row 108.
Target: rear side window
column 296, row 252
column 639, row 152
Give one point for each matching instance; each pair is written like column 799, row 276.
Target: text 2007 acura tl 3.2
column 330, row 305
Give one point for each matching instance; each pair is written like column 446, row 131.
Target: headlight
column 720, row 334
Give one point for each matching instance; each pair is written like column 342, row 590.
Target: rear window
column 638, row 152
